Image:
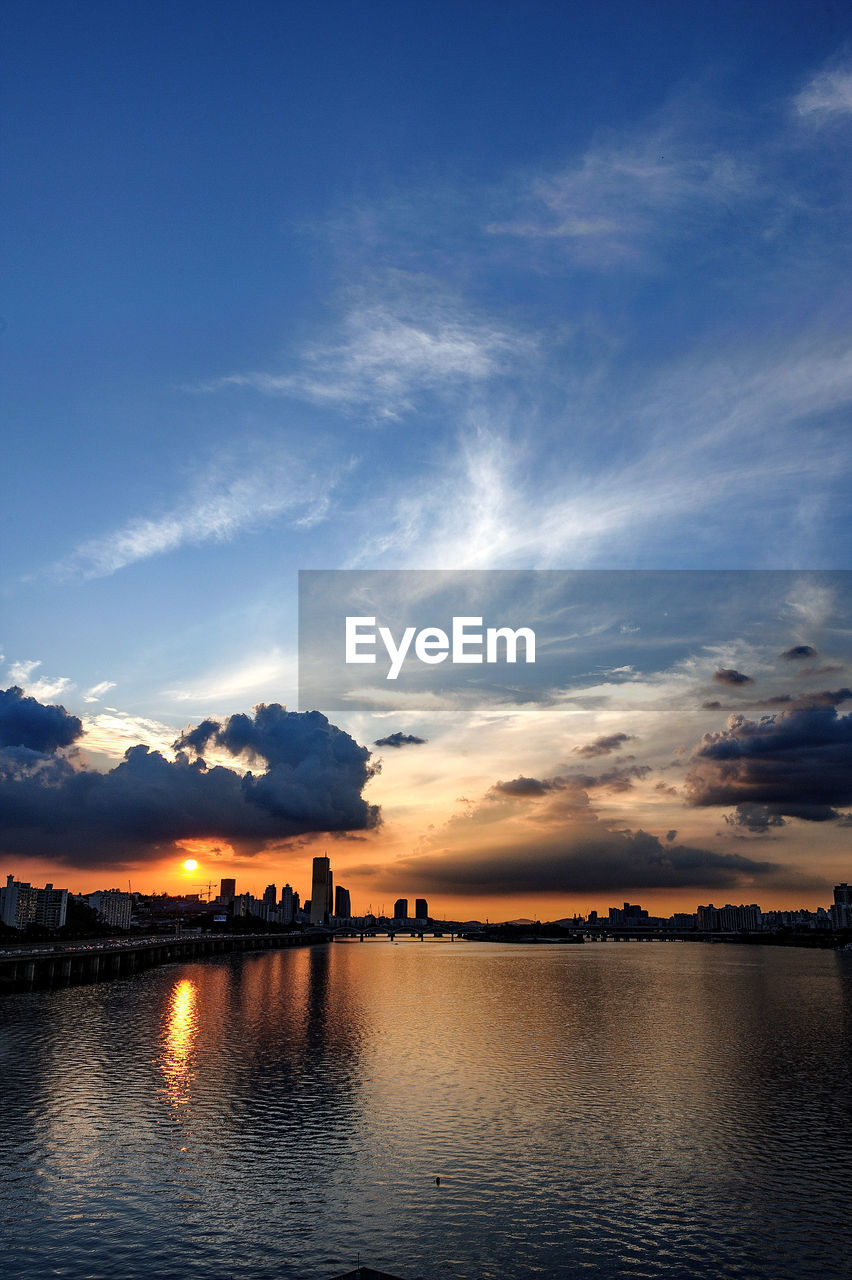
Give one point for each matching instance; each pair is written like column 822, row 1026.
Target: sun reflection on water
column 180, row 1031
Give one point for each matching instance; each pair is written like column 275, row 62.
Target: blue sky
column 403, row 286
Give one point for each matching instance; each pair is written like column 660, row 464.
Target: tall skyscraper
column 400, row 909
column 421, row 909
column 342, row 904
column 288, row 907
column 841, row 911
column 321, row 890
column 227, row 890
column 270, row 895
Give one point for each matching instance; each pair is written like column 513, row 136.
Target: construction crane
column 207, row 888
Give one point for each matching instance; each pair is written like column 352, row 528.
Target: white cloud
column 606, row 208
column 828, row 95
column 111, row 732
column 702, row 437
column 388, row 355
column 45, row 687
column 261, row 676
column 215, row 510
column 20, row 672
column 98, row 690
column 811, row 604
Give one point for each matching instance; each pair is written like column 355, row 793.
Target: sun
column 190, row 865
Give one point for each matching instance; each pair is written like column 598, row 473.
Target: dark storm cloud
column 827, row 697
column 711, row 706
column 399, row 739
column 25, row 722
column 757, row 818
column 727, row 675
column 590, row 861
column 526, row 786
column 197, row 739
column 621, row 779
column 614, row 779
column 276, row 736
column 795, row 764
column 141, row 807
column 604, row 746
column 799, row 651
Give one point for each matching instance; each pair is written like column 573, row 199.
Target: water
column 614, row 1110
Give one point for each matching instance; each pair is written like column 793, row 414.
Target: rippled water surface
column 612, row 1110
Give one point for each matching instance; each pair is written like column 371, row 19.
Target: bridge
column 87, row 961
column 392, row 931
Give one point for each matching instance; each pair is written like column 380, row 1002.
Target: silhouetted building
column 421, row 909
column 17, row 903
column 51, row 906
column 342, row 903
column 270, row 895
column 631, row 914
column 321, row 889
column 841, row 911
column 22, row 904
column 113, row 907
column 737, row 919
column 227, row 890
column 729, row 919
column 400, row 909
column 288, row 905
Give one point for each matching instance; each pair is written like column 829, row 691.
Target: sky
column 445, row 286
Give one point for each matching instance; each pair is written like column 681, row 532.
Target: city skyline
column 679, row 733
column 405, row 290
column 22, row 903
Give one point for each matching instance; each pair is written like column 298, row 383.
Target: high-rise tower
column 342, row 904
column 320, row 890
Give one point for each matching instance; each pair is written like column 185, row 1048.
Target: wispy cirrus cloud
column 247, row 679
column 607, row 207
column 97, row 691
column 695, row 438
column 690, row 174
column 215, row 509
column 828, row 96
column 389, row 354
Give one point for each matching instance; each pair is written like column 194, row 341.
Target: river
column 437, row 1109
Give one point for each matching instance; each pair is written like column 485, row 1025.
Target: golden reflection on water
column 180, row 1031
